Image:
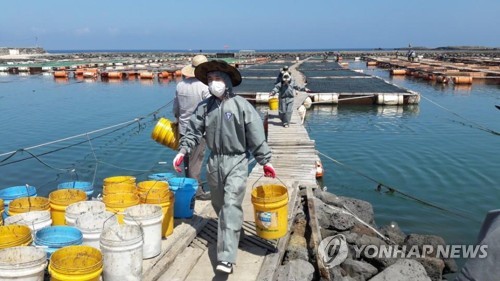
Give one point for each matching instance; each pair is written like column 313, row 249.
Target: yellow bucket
column 119, row 188
column 148, row 186
column 15, row 235
column 165, row 132
column 270, row 203
column 166, row 201
column 60, row 199
column 273, row 103
column 72, row 263
column 119, row 179
column 27, row 204
column 118, row 202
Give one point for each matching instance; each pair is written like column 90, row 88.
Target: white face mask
column 217, row 88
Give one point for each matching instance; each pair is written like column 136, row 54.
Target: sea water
column 441, row 151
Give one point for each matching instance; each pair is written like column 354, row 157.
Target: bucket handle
column 117, row 234
column 253, row 185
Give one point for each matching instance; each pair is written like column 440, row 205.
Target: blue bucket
column 53, row 238
column 184, row 190
column 10, row 193
column 161, row 176
column 85, row 186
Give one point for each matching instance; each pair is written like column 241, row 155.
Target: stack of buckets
column 10, row 193
column 60, row 200
column 166, row 133
column 185, row 191
column 270, row 202
column 158, row 193
column 22, row 263
column 119, row 193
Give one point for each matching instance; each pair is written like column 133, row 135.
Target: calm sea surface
column 439, row 151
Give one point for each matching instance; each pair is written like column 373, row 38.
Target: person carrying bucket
column 233, row 129
column 189, row 92
column 286, row 88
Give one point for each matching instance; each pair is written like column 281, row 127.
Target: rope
column 478, row 126
column 394, row 190
column 120, row 126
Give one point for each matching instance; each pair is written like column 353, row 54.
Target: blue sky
column 211, row 25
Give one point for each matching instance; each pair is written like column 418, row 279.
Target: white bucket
column 91, row 225
column 22, row 263
column 35, row 220
column 76, row 209
column 149, row 217
column 121, row 248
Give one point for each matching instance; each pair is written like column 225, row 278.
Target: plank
column 182, row 265
column 315, row 233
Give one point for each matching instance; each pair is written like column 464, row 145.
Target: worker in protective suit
column 286, row 89
column 232, row 129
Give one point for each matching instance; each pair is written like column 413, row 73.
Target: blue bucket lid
column 14, row 192
column 181, row 183
column 84, row 185
column 161, row 176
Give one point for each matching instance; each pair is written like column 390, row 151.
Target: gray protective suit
column 286, row 93
column 232, row 128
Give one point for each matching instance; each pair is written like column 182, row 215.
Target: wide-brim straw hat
column 203, row 69
column 188, row 70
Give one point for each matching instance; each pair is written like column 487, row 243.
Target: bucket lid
column 67, row 196
column 26, row 204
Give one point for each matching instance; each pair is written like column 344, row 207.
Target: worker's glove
column 269, row 171
column 272, row 93
column 178, row 161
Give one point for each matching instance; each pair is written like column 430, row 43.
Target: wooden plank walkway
column 191, row 252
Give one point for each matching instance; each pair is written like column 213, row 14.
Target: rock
column 420, row 240
column 434, row 267
column 404, row 269
column 393, row 232
column 297, row 249
column 360, row 208
column 299, row 226
column 450, row 266
column 365, row 240
column 327, row 232
column 359, row 270
column 333, row 219
column 362, row 229
column 296, row 270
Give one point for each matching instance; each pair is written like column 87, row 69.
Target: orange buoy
column 398, row 72
column 178, row 73
column 442, row 79
column 115, row 75
column 462, row 80
column 146, row 75
column 60, row 74
column 371, row 63
column 164, row 74
column 319, row 169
